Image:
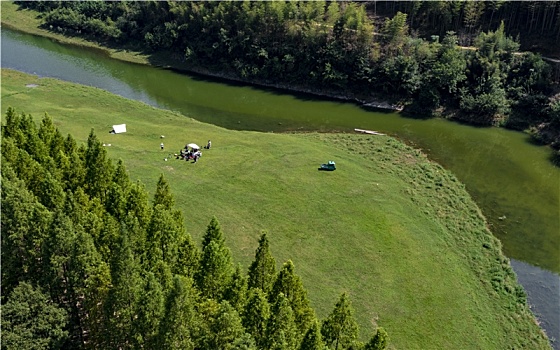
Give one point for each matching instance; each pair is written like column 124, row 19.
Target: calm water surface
column 506, row 175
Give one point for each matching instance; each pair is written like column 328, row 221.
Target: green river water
column 511, row 179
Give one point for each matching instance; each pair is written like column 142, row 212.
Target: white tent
column 118, row 129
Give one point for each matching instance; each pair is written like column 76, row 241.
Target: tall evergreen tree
column 47, row 131
column 31, row 321
column 12, row 123
column 137, row 204
column 224, row 329
column 262, row 271
column 340, row 330
column 379, row 341
column 98, row 168
column 236, row 292
column 118, row 192
column 289, row 284
column 215, row 268
column 163, row 194
column 163, row 237
column 281, row 329
column 255, row 316
column 312, row 339
column 74, row 175
column 213, row 233
column 123, row 296
column 180, row 323
column 32, row 144
column 215, row 271
column 56, row 255
column 150, row 311
column 89, row 280
column 24, row 224
column 188, row 257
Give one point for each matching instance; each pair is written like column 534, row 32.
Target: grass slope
column 396, row 231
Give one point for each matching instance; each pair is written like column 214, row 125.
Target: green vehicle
column 330, row 166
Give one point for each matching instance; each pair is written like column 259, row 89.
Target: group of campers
column 190, row 152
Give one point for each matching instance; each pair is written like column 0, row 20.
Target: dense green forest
column 89, row 262
column 536, row 23
column 349, row 48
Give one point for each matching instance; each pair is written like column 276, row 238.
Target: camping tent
column 117, row 129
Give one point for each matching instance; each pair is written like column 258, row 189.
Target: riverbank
column 422, row 258
column 27, row 21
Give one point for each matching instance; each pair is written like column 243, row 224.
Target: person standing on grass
column 208, row 145
column 161, row 146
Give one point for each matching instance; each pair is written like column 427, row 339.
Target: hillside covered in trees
column 350, row 49
column 536, row 24
column 88, row 261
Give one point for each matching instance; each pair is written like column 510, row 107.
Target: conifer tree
column 262, row 271
column 215, row 268
column 312, row 339
column 163, row 194
column 32, row 144
column 123, row 295
column 215, row 271
column 74, row 206
column 47, row 131
column 256, row 315
column 150, row 312
column 223, row 328
column 74, row 176
column 56, row 145
column 56, row 254
column 137, row 204
column 77, row 277
column 213, row 233
column 163, row 236
column 51, row 193
column 339, row 329
column 179, row 325
column 24, row 224
column 188, row 257
column 30, row 320
column 236, row 292
column 281, row 329
column 118, row 192
column 290, row 285
column 10, row 151
column 89, row 281
column 108, row 236
column 164, row 275
column 379, row 341
column 12, row 123
column 98, row 168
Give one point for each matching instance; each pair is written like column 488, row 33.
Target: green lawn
column 398, row 232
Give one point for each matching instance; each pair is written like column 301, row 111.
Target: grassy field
column 396, row 231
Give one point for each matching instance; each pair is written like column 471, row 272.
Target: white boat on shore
column 371, row 132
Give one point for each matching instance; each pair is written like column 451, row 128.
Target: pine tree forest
column 90, row 262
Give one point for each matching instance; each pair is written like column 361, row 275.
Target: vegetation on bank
column 535, row 23
column 336, row 47
column 396, row 232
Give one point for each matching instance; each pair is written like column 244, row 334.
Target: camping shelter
column 119, row 129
